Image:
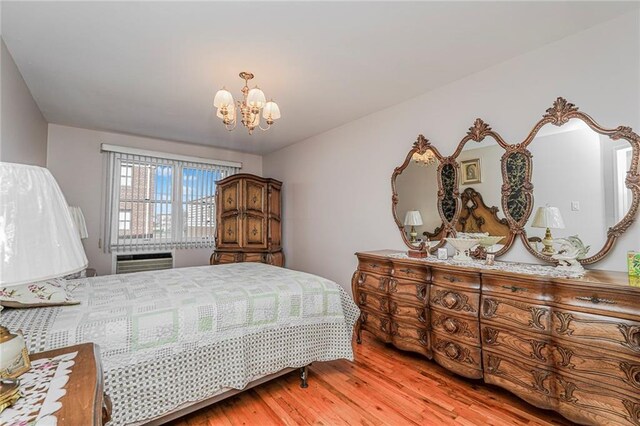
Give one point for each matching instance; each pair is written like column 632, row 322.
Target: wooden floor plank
column 384, row 386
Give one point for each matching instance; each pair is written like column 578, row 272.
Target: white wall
column 417, row 188
column 581, row 182
column 23, row 138
column 337, row 195
column 75, row 161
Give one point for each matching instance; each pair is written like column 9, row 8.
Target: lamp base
column 547, row 241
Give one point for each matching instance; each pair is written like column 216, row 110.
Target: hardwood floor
column 384, row 386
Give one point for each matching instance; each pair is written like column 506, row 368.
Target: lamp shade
column 548, row 217
column 38, row 238
column 413, row 218
column 255, row 98
column 271, row 111
column 223, row 98
column 78, row 220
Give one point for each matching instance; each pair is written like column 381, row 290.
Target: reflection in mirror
column 480, row 193
column 417, row 208
column 578, row 184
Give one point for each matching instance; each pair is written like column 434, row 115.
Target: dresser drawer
column 254, row 257
column 414, row 291
column 534, row 347
column 376, row 324
column 531, row 383
column 463, row 280
column 515, row 313
column 458, row 357
column 373, row 301
column 454, row 300
column 588, row 403
column 400, row 309
column 411, row 272
column 371, row 282
column 406, row 330
column 531, row 289
column 611, row 370
column 463, row 329
column 597, row 330
column 598, row 301
column 378, row 266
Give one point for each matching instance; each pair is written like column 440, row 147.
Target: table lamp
column 548, row 217
column 413, row 219
column 38, row 242
column 78, row 220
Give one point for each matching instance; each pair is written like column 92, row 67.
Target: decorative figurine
column 571, row 250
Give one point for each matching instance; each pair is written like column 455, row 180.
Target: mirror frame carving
column 559, row 114
column 420, row 146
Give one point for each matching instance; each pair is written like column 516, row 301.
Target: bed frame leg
column 304, row 375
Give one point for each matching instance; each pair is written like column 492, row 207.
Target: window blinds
column 155, row 203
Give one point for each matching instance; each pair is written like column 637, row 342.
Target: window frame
column 179, row 235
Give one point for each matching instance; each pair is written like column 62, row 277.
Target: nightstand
column 85, row 402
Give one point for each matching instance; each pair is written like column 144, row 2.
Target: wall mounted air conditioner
column 139, row 262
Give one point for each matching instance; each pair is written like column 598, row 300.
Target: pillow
column 42, row 293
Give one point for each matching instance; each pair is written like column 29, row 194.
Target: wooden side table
column 85, row 402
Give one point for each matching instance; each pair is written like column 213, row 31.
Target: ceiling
column 152, row 68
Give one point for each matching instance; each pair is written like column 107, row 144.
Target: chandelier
column 252, row 104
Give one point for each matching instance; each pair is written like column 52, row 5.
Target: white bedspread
column 177, row 336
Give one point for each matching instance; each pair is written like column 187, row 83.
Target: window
column 124, row 221
column 126, row 175
column 160, row 203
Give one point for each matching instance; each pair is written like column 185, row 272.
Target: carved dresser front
column 567, row 344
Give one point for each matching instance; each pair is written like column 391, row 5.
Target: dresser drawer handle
column 451, row 279
column 406, row 271
column 373, row 265
column 514, row 288
column 596, row 300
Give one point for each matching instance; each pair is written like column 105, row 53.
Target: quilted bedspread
column 173, row 337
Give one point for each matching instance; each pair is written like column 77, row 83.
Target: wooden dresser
column 569, row 345
column 248, row 215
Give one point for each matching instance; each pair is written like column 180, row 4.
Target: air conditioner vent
column 127, row 263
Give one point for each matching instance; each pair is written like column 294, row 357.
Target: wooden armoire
column 248, row 218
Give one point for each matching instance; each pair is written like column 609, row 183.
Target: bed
column 178, row 339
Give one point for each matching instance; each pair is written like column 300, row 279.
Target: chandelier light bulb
column 256, row 98
column 223, row 98
column 271, row 111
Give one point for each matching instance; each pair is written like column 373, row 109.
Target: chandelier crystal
column 249, row 108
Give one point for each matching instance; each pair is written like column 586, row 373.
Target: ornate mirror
column 584, row 179
column 417, row 198
column 478, row 159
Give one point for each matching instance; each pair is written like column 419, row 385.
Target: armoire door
column 254, row 219
column 229, row 220
column 275, row 225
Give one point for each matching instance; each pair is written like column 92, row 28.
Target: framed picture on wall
column 470, row 171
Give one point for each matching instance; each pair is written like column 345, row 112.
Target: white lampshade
column 413, row 218
column 548, row 217
column 271, row 111
column 223, row 98
column 38, row 239
column 78, row 220
column 256, row 98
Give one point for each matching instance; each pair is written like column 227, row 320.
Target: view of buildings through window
column 147, row 210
